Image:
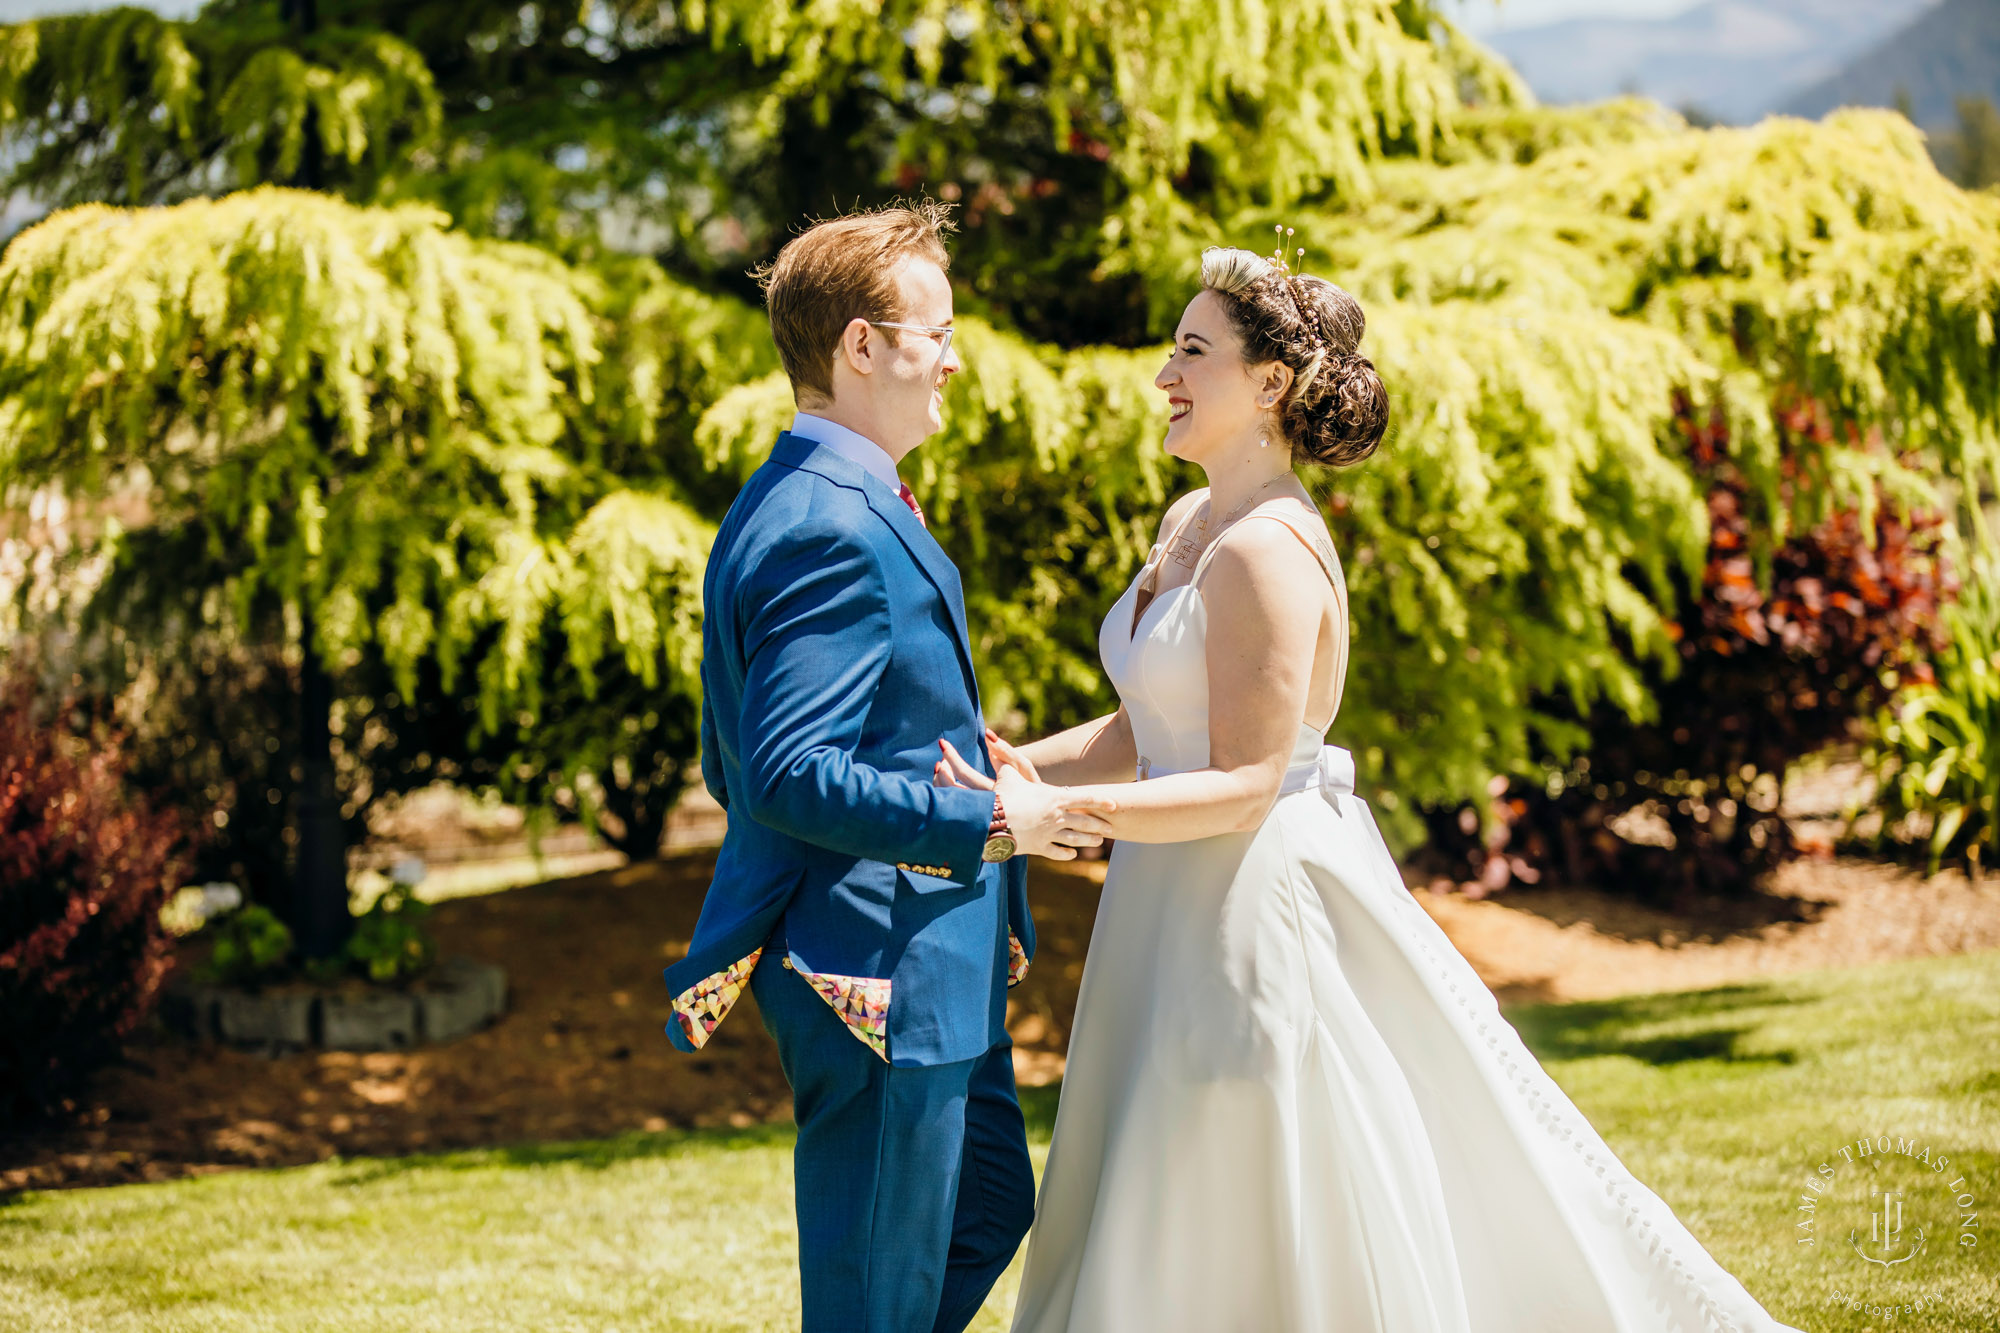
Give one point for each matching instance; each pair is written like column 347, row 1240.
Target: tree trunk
column 643, row 811
column 320, row 919
column 321, row 922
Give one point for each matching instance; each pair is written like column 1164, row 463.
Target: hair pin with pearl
column 1281, row 261
column 1280, row 258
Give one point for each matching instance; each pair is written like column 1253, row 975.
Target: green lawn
column 1722, row 1100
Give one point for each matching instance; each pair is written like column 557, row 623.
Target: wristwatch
column 1000, row 842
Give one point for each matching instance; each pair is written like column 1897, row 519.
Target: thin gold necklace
column 1187, row 550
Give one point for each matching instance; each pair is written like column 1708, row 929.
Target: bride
column 1290, row 1103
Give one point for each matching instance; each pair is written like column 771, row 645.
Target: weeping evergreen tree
column 354, row 431
column 1513, row 552
column 1547, row 290
column 125, row 106
column 594, row 711
column 703, row 133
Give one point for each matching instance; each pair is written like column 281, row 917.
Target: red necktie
column 903, row 490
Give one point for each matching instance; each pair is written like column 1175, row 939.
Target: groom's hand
column 1052, row 821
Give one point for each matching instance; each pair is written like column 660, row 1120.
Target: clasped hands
column 1045, row 820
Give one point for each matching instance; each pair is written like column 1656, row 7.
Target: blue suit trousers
column 913, row 1183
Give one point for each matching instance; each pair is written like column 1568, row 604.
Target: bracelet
column 999, row 824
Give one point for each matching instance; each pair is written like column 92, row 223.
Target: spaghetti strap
column 1329, row 563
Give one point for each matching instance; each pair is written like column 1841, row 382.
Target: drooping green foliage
column 299, row 378
column 1546, row 288
column 125, row 106
column 1828, row 261
column 1746, row 268
column 700, row 121
column 361, row 418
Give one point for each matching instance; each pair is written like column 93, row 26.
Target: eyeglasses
column 929, row 330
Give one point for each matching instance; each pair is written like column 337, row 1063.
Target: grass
column 1723, row 1101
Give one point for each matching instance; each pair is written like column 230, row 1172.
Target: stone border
column 455, row 999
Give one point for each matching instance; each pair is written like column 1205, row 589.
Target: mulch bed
column 581, row 1052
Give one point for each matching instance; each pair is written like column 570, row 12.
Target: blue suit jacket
column 834, row 656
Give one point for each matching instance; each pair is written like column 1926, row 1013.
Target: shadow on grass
column 1586, row 1028
column 1574, row 1030
column 1038, row 1109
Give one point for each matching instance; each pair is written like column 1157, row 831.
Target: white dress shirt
column 852, row 445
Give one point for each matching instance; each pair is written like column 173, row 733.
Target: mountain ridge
column 1733, row 59
column 1949, row 51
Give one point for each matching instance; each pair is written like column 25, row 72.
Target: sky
column 1482, row 16
column 28, row 9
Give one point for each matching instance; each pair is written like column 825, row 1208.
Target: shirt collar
column 855, row 447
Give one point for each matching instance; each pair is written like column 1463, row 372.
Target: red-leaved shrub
column 84, row 869
column 1770, row 670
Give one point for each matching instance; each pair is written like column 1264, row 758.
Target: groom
column 877, row 918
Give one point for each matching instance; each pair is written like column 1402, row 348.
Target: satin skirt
column 1292, row 1105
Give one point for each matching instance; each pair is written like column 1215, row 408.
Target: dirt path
column 1579, row 944
column 581, row 1053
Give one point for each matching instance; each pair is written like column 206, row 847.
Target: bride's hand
column 953, row 771
column 1006, row 756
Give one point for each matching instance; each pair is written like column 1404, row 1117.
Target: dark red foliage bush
column 84, row 870
column 1770, row 671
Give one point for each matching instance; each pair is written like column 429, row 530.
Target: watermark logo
column 1885, row 1232
column 1888, row 1202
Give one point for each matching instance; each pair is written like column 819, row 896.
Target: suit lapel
column 800, row 452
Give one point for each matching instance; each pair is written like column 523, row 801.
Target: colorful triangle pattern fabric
column 1017, row 960
column 860, row 1002
column 701, row 1007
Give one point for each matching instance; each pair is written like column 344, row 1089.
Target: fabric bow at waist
column 1331, row 771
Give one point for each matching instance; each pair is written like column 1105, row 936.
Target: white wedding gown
column 1291, row 1105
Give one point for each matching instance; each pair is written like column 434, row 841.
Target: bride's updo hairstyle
column 1336, row 409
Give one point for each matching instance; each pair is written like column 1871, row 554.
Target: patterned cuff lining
column 700, row 1007
column 860, row 1002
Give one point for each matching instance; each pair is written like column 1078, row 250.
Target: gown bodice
column 1158, row 660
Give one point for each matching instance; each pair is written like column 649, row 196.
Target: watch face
column 999, row 847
